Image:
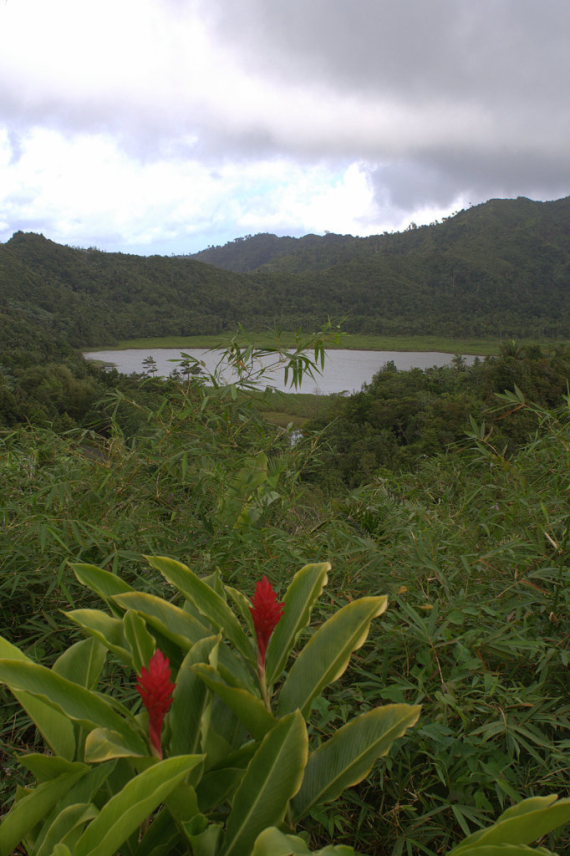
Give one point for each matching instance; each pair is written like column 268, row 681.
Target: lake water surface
column 345, row 371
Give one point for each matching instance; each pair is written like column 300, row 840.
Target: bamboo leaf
column 206, row 600
column 125, row 811
column 248, row 708
column 273, row 777
column 305, row 588
column 348, row 756
column 326, row 656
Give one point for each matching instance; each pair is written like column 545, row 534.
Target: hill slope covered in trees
column 499, row 269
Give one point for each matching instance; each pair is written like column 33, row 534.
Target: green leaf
column 174, row 623
column 82, row 663
column 46, row 767
column 206, row 600
column 66, row 828
column 102, row 744
column 61, row 850
column 101, row 582
column 216, row 786
column 305, row 588
column 107, row 629
column 161, row 838
column 348, row 756
column 33, row 807
column 141, row 643
column 125, row 811
column 248, row 708
column 76, row 702
column 190, row 696
column 504, row 850
column 56, row 729
column 206, row 843
column 326, row 656
column 522, row 824
column 273, row 842
column 243, row 605
column 273, row 777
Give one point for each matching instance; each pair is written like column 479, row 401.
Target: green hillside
column 498, row 269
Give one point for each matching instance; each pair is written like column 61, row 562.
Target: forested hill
column 501, row 227
column 501, row 268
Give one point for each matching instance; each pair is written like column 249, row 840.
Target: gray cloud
column 435, row 100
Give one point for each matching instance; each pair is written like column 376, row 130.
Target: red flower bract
column 266, row 613
column 156, row 687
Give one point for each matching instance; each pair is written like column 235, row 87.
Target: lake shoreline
column 347, row 341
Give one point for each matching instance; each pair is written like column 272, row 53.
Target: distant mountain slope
column 501, row 268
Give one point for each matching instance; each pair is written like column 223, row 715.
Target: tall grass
column 472, row 549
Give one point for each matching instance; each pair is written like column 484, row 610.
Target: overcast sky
column 163, row 126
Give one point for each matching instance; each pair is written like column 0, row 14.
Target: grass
column 296, row 408
column 350, row 341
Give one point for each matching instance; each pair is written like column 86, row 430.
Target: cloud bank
column 167, row 125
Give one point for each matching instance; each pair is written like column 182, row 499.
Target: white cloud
column 157, row 123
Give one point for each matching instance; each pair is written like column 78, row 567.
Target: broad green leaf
column 243, row 605
column 88, row 788
column 65, row 828
column 522, row 824
column 326, row 656
column 125, row 811
column 273, row 842
column 217, row 786
column 348, row 756
column 56, row 729
column 101, row 582
column 273, row 777
column 305, row 588
column 140, row 641
column 33, row 807
column 248, row 708
column 206, row 843
column 161, row 838
column 46, row 767
column 102, row 744
column 174, row 623
column 108, row 630
column 190, row 696
column 206, row 600
column 214, row 580
column 61, row 850
column 504, row 850
column 76, row 702
column 82, row 663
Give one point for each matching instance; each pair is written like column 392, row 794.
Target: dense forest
column 446, row 489
column 497, row 269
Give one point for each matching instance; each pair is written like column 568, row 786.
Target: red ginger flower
column 156, row 687
column 266, row 613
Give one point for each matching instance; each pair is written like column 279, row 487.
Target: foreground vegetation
column 470, row 543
